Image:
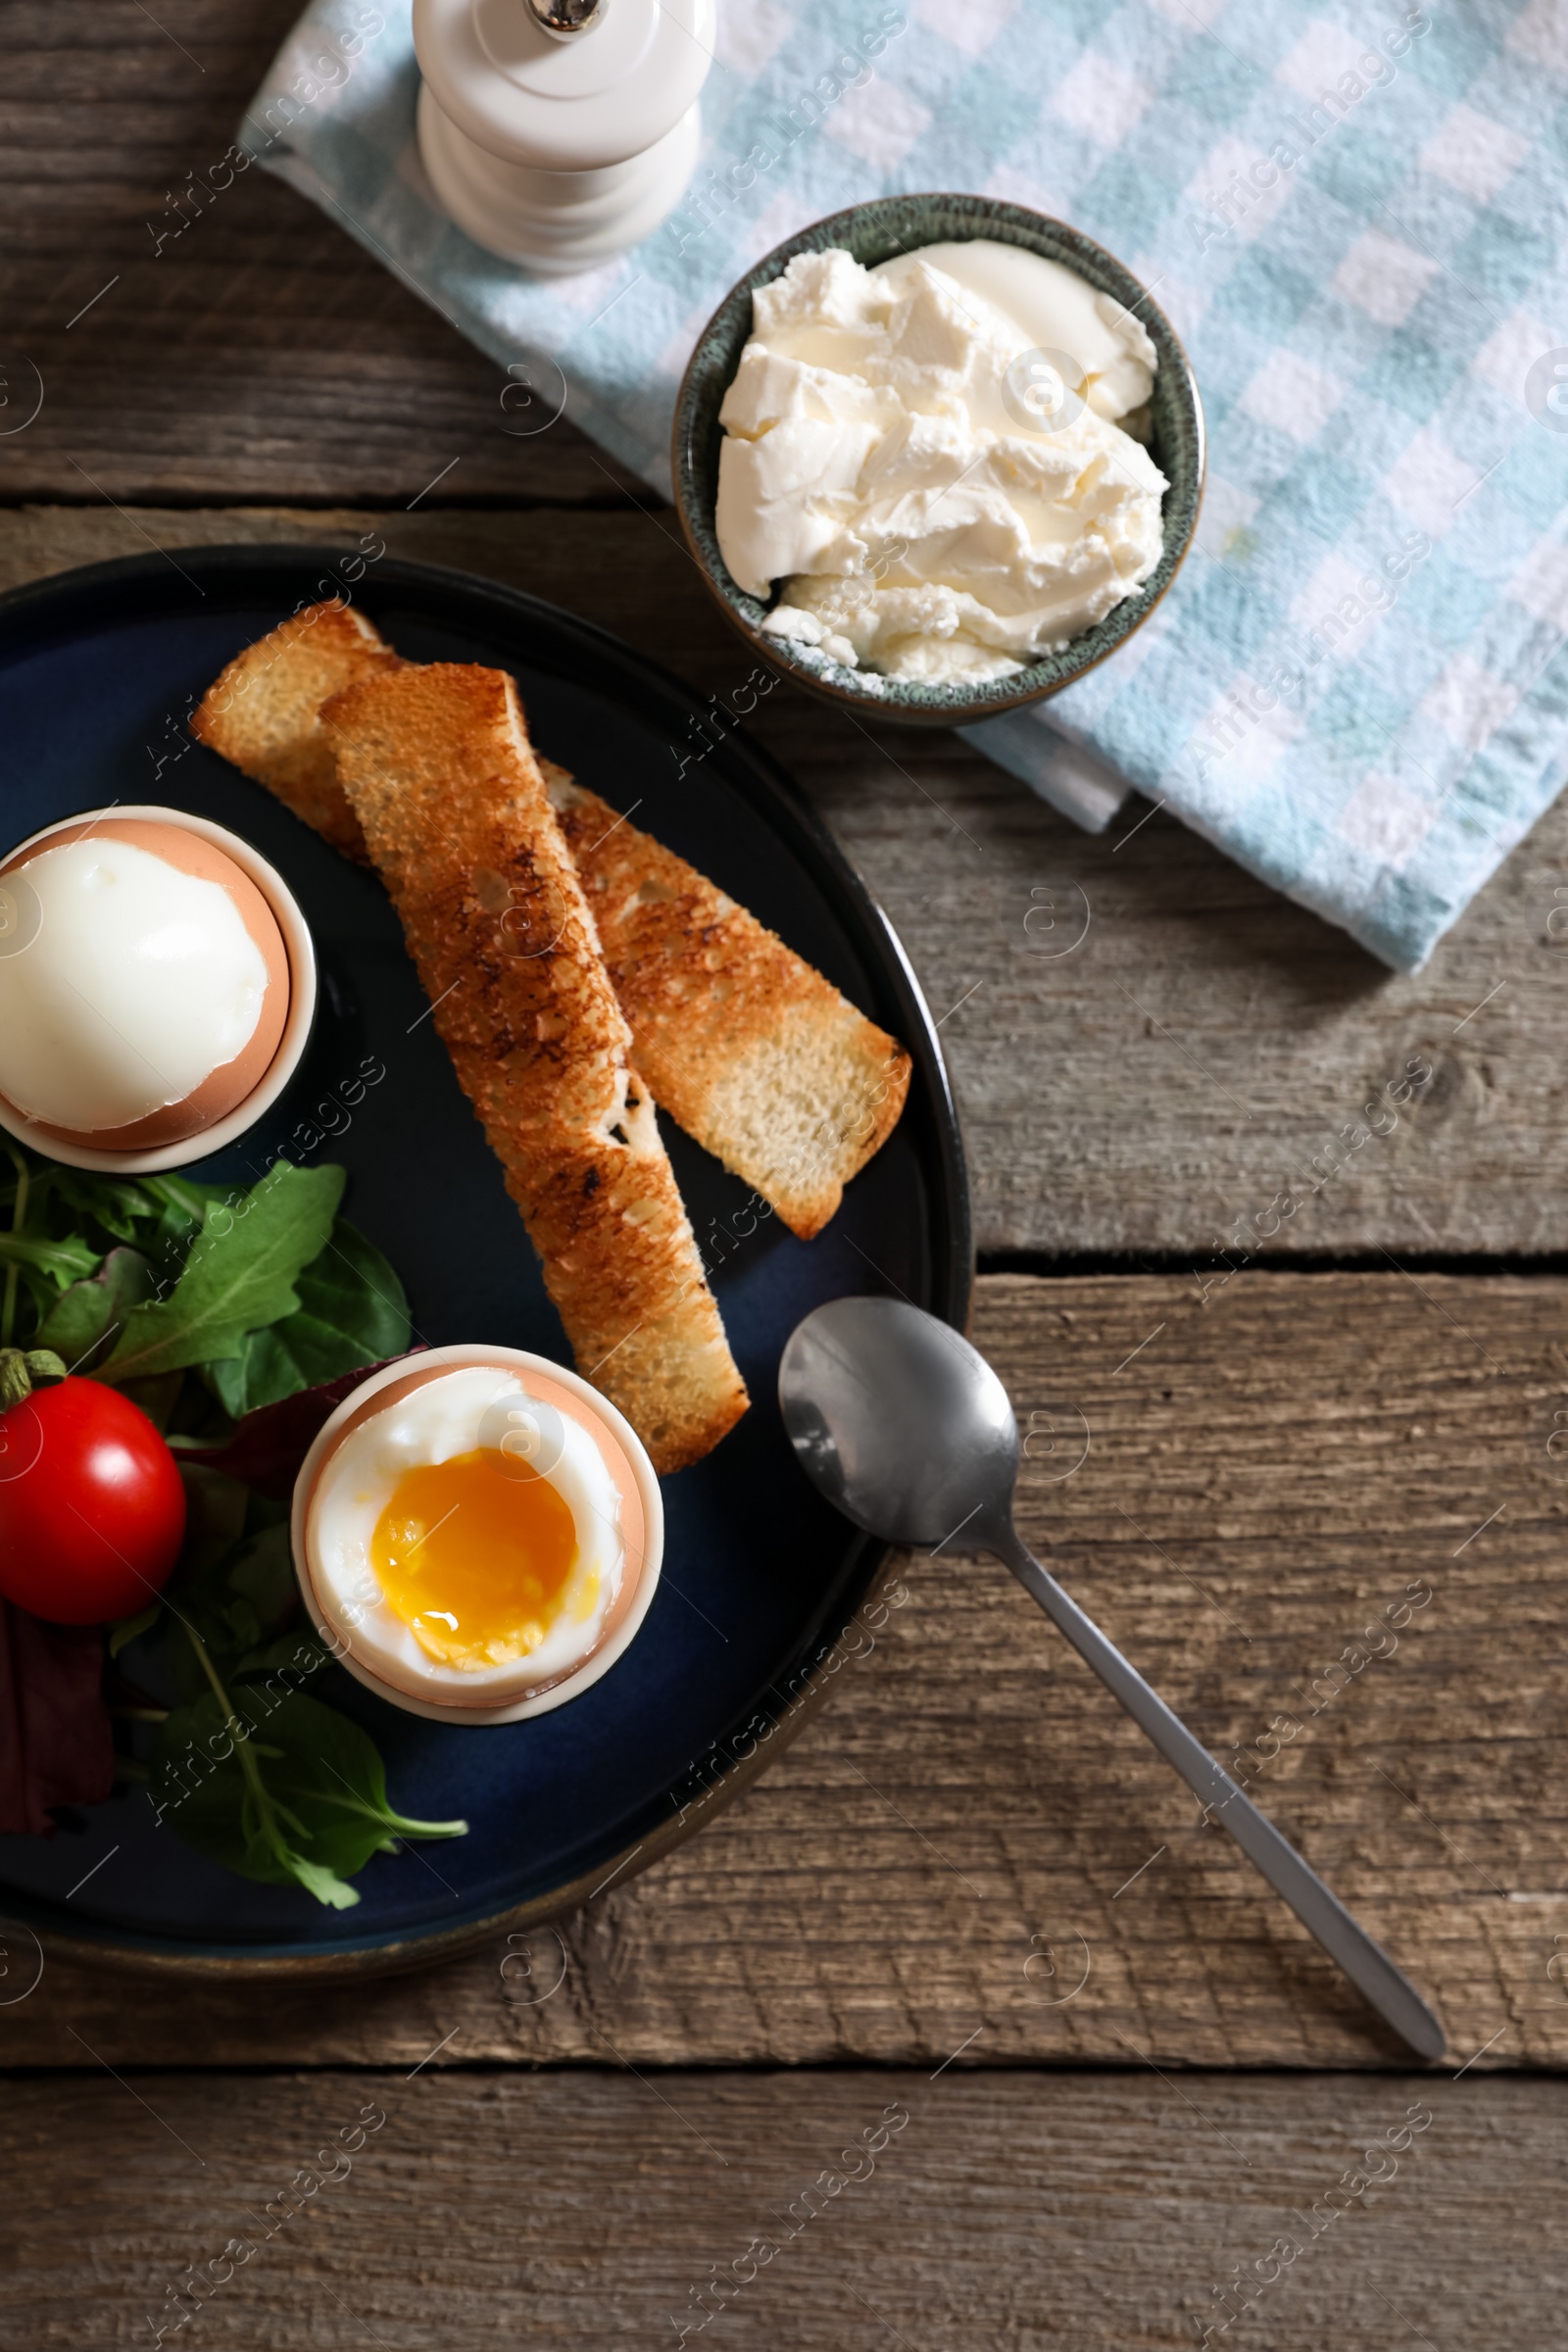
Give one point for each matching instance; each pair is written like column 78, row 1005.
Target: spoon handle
column 1321, row 1913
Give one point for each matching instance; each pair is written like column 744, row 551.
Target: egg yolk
column 475, row 1555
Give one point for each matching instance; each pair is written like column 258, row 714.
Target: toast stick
column 263, row 712
column 438, row 770
column 746, row 1045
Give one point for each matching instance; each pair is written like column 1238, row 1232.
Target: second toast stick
column 746, row 1045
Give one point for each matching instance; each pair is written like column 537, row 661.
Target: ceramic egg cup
column 876, row 232
column 625, row 1458
column 291, row 1045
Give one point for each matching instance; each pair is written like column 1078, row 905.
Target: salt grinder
column 558, row 132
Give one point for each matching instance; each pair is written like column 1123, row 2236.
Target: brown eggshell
column 634, row 1524
column 228, row 1087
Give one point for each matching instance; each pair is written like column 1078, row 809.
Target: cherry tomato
column 92, row 1510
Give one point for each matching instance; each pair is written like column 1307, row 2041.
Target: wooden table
column 967, row 1918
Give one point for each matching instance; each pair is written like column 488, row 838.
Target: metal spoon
column 905, row 1428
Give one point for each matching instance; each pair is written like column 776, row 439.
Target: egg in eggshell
column 156, row 980
column 477, row 1533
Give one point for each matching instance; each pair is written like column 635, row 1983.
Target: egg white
column 436, row 1421
column 140, row 982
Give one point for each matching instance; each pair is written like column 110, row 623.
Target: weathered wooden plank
column 973, row 2211
column 971, row 1840
column 1198, row 1062
column 261, row 353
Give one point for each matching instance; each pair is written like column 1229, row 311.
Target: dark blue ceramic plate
column 98, row 670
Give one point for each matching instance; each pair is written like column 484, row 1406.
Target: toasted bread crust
column 263, row 712
column 749, row 1048
column 438, row 770
column 754, row 1053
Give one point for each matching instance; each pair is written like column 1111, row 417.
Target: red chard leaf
column 265, row 1449
column 56, row 1741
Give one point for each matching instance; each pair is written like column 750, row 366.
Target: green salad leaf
column 203, row 1304
column 130, row 1629
column 241, row 1598
column 261, row 1576
column 56, row 1225
column 274, row 1785
column 178, row 1208
column 239, row 1275
column 351, row 1311
column 93, row 1310
column 120, row 1208
column 66, row 1260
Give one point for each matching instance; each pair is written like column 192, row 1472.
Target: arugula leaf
column 300, row 1797
column 110, row 1201
column 93, row 1310
column 40, row 1292
column 180, row 1205
column 185, row 1194
column 217, row 1518
column 64, row 1261
column 235, row 1583
column 285, row 1649
column 263, row 1573
column 158, row 1396
column 169, row 1240
column 351, row 1311
column 240, row 1273
column 246, row 1598
column 130, row 1629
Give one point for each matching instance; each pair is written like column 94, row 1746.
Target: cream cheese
column 927, row 455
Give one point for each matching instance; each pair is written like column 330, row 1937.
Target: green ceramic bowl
column 874, row 233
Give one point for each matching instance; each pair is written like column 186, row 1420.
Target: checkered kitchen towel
column 1354, row 214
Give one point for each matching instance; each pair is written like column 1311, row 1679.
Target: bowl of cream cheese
column 938, row 456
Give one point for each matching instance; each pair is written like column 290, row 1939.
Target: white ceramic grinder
column 558, row 132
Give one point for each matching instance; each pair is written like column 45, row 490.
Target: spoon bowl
column 900, row 1422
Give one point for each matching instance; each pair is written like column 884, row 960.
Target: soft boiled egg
column 477, row 1533
column 144, row 984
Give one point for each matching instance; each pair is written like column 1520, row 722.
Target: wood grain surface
column 1274, row 1499
column 260, row 351
column 1106, row 2213
column 1153, row 1053
column 967, row 1869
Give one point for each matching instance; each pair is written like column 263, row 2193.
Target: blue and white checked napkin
column 1354, row 215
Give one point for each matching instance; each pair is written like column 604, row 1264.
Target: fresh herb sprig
column 251, row 1768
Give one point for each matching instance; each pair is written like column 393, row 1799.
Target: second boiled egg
column 476, row 1538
